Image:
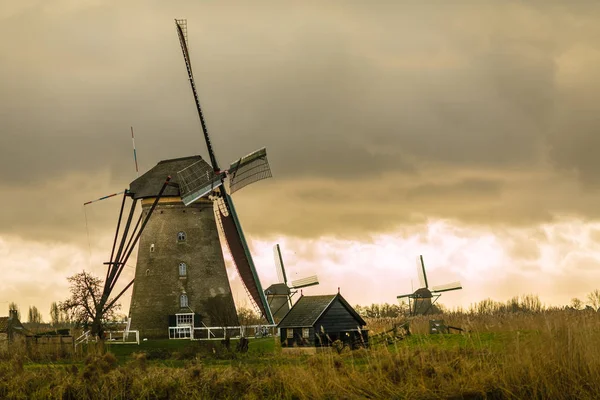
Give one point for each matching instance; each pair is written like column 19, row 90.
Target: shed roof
column 149, row 184
column 7, row 323
column 308, row 309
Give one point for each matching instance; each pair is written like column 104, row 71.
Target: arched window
column 182, row 269
column 183, row 301
column 147, row 272
column 181, row 236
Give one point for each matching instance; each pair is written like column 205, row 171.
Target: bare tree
column 594, row 299
column 54, row 314
column 83, row 306
column 576, row 303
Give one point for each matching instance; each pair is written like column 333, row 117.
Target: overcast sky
column 466, row 132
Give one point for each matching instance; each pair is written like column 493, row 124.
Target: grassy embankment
column 552, row 355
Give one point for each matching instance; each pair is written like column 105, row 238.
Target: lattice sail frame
column 235, row 243
column 305, row 282
column 196, row 181
column 249, row 169
column 447, row 287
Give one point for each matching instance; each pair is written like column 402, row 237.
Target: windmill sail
column 305, row 282
column 243, row 172
column 447, row 287
column 182, row 33
column 421, row 269
column 279, row 264
column 249, row 169
column 242, row 258
column 196, row 181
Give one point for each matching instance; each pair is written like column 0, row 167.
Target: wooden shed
column 318, row 321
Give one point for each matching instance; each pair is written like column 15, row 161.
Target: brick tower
column 180, row 267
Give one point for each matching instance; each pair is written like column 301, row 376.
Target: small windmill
column 422, row 300
column 279, row 295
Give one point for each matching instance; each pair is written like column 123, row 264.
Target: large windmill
column 422, row 300
column 279, row 295
column 180, row 275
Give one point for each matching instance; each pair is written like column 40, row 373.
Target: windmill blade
column 249, row 169
column 305, row 282
column 421, row 270
column 236, row 242
column 181, row 25
column 279, row 264
column 197, row 180
column 405, row 295
column 447, row 287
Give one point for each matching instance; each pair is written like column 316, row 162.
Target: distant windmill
column 279, row 295
column 420, row 302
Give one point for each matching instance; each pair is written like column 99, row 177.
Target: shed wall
column 298, row 340
column 336, row 319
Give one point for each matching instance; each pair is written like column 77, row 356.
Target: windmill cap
column 150, row 183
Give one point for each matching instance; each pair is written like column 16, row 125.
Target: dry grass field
column 544, row 355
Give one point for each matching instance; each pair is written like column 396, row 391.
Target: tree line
column 34, row 316
column 525, row 303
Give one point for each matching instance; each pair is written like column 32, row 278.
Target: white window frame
column 183, row 301
column 184, row 320
column 182, row 269
column 306, row 333
column 290, row 333
column 181, row 236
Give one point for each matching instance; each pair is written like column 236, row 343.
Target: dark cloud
column 371, row 115
column 471, row 188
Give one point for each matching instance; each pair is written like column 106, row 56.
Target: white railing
column 120, row 337
column 181, row 332
column 114, row 337
column 220, row 332
column 234, row 332
column 85, row 337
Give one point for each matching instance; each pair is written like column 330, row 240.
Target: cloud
column 376, row 118
column 556, row 261
column 342, row 93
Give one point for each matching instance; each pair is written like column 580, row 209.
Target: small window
column 182, row 269
column 305, row 332
column 183, row 301
column 185, row 319
column 181, row 236
column 290, row 333
column 147, row 272
column 152, row 248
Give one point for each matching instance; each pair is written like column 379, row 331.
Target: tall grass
column 546, row 355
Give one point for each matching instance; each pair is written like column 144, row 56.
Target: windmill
column 180, row 276
column 422, row 300
column 279, row 295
